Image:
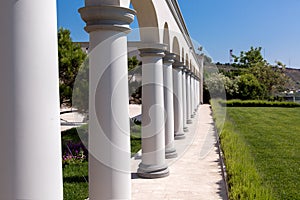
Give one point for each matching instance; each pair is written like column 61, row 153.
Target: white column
column 198, row 92
column 153, row 163
column 7, row 104
column 109, row 132
column 195, row 94
column 188, row 98
column 30, row 145
column 184, row 106
column 168, row 102
column 192, row 96
column 178, row 110
column 201, row 88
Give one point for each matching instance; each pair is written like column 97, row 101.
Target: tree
column 80, row 98
column 250, row 58
column 271, row 78
column 218, row 85
column 248, row 87
column 70, row 58
column 133, row 62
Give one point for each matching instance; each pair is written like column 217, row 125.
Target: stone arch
column 147, row 19
column 166, row 36
column 176, row 48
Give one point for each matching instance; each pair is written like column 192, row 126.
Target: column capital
column 185, row 69
column 150, row 49
column 107, row 17
column 178, row 65
column 189, row 72
column 169, row 58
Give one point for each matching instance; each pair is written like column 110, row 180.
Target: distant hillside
column 294, row 74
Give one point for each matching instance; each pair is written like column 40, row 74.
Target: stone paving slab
column 195, row 174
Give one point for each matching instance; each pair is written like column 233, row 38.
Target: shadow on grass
column 76, row 179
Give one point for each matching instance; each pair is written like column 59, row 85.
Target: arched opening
column 166, row 36
column 187, row 61
column 147, row 20
column 176, row 48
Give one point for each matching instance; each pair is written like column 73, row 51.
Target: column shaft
column 184, row 106
column 192, row 96
column 109, row 131
column 195, row 94
column 168, row 103
column 153, row 127
column 198, row 92
column 178, row 111
column 188, row 99
column 7, row 104
column 29, row 88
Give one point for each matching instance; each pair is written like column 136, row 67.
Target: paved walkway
column 195, row 174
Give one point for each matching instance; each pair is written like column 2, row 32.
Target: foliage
column 133, row 62
column 220, row 86
column 74, row 153
column 258, row 103
column 248, row 87
column 74, row 150
column 217, row 84
column 70, row 58
column 249, row 77
column 271, row 77
column 249, row 59
column 80, row 96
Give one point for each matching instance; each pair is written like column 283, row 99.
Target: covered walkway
column 196, row 172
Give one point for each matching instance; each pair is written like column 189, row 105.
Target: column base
column 192, row 116
column 179, row 136
column 189, row 121
column 185, row 129
column 147, row 171
column 171, row 153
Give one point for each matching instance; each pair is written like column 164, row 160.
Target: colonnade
column 170, row 98
column 30, row 142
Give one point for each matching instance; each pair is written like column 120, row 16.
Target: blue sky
column 220, row 25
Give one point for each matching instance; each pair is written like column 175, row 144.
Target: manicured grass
column 76, row 174
column 262, row 151
column 76, row 181
column 135, row 138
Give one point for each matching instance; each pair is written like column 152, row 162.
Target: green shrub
column 257, row 103
column 249, row 87
column 244, row 181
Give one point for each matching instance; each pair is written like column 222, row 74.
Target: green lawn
column 76, row 181
column 273, row 138
column 262, row 152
